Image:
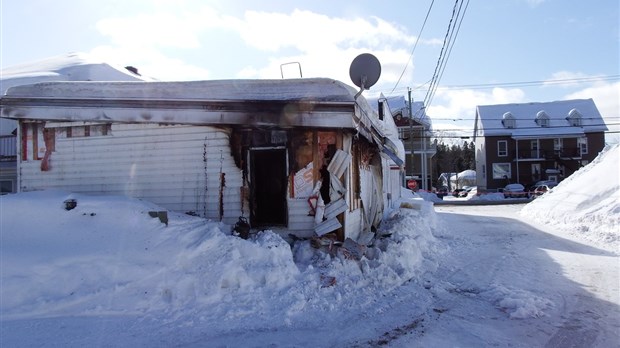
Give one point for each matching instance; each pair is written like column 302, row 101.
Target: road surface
column 507, row 283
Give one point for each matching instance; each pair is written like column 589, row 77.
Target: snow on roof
column 468, row 173
column 68, row 67
column 489, row 119
column 306, row 89
column 72, row 77
column 399, row 104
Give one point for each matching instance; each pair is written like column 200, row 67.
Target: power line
column 456, row 136
column 576, row 80
column 414, row 46
column 455, row 119
column 535, row 83
column 434, row 130
column 450, row 46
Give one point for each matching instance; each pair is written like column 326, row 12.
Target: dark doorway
column 269, row 181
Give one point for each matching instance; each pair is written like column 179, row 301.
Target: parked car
column 467, row 190
column 541, row 189
column 514, row 191
column 442, row 192
column 457, row 192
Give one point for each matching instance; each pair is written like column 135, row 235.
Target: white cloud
column 462, row 103
column 152, row 30
column 334, row 65
column 606, row 96
column 453, row 111
column 151, row 63
column 323, row 45
column 309, row 32
column 568, row 79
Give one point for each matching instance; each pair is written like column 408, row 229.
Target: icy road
column 507, row 283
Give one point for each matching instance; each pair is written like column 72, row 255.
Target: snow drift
column 109, row 256
column 588, row 201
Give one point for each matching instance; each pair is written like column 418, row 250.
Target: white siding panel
column 299, row 222
column 353, row 224
column 177, row 167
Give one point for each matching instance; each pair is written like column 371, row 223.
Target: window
column 501, row 171
column 534, row 146
column 535, row 171
column 403, row 133
column 574, row 118
column 88, row 130
column 542, row 119
column 558, row 144
column 508, row 120
column 582, row 143
column 502, row 148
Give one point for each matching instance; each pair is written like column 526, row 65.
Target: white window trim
column 509, row 174
column 499, row 154
column 583, row 145
column 558, row 144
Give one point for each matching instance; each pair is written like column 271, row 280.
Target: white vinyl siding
column 177, row 167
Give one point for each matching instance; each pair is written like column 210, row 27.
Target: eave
column 280, row 113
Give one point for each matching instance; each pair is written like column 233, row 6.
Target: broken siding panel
column 339, row 163
column 367, row 195
column 177, row 167
column 299, row 222
column 353, row 224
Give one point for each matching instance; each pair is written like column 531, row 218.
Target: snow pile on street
column 428, row 196
column 488, row 196
column 587, row 202
column 472, row 196
column 518, row 303
column 109, row 256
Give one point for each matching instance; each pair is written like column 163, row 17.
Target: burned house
column 218, row 149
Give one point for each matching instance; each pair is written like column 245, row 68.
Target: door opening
column 268, row 171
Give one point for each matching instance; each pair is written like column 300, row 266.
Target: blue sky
column 504, row 51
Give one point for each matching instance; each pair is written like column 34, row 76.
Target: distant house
column 415, row 131
column 218, row 149
column 529, row 142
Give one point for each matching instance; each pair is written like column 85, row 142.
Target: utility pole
column 410, row 135
column 424, row 159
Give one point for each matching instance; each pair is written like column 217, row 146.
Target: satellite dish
column 365, row 70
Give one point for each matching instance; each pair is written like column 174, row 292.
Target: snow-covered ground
column 106, row 273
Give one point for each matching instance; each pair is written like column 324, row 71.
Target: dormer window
column 574, row 118
column 509, row 121
column 542, row 119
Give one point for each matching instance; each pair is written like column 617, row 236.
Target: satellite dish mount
column 365, row 71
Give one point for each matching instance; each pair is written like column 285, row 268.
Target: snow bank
column 587, row 203
column 488, row 196
column 428, row 196
column 109, row 256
